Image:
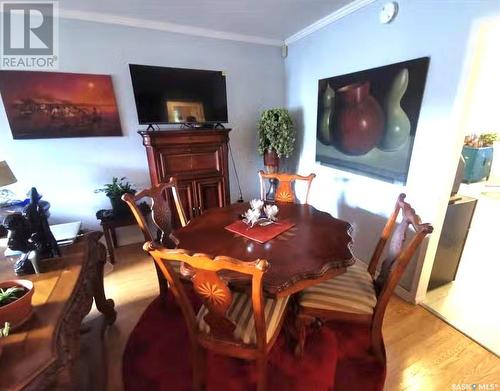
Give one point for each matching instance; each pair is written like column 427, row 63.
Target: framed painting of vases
column 56, row 104
column 367, row 120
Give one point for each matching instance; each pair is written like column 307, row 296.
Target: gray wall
column 67, row 170
column 439, row 29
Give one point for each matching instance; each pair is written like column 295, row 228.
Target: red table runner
column 258, row 233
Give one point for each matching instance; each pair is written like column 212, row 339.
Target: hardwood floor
column 463, row 302
column 424, row 353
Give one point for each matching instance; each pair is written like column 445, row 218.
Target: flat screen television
column 177, row 95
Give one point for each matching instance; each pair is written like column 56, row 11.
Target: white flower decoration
column 256, row 204
column 271, row 212
column 251, row 216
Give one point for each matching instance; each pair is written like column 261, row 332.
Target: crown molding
column 209, row 33
column 319, row 24
column 165, row 26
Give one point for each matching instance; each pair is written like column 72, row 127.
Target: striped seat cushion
column 351, row 292
column 241, row 313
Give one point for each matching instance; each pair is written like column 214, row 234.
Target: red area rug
column 336, row 358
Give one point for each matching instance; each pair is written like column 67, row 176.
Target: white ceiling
column 270, row 19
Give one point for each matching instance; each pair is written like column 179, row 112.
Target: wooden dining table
column 316, row 248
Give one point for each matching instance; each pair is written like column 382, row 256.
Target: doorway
column 463, row 288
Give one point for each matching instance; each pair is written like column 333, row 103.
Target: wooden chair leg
column 289, row 326
column 199, row 366
column 261, row 373
column 301, row 337
column 378, row 345
column 162, row 283
column 302, row 323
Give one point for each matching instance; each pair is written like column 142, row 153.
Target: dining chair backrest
column 212, row 290
column 160, row 209
column 285, row 191
column 398, row 254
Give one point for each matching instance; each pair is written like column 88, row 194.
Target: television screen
column 176, row 95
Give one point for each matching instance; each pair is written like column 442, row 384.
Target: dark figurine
column 30, row 234
column 3, row 231
column 41, row 235
column 18, row 240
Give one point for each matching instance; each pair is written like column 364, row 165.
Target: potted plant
column 276, row 137
column 114, row 191
column 478, row 155
column 15, row 301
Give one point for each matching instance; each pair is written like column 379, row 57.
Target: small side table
column 109, row 222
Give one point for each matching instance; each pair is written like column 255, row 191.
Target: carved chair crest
column 160, row 209
column 217, row 298
column 285, row 191
column 397, row 252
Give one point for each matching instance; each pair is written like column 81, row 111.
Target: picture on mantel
column 55, row 104
column 367, row 120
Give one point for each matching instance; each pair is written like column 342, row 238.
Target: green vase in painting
column 326, row 120
column 397, row 128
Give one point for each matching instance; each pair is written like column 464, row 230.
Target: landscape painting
column 367, row 120
column 53, row 104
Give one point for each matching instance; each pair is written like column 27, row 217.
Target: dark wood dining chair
column 358, row 296
column 285, row 191
column 160, row 209
column 237, row 324
column 161, row 216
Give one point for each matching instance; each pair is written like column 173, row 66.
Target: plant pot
column 477, row 163
column 271, row 162
column 359, row 123
column 119, row 207
column 19, row 311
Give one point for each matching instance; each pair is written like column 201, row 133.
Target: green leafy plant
column 4, row 331
column 11, row 294
column 276, row 132
column 487, row 139
column 117, row 188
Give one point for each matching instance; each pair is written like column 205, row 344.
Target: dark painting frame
column 43, row 105
column 353, row 135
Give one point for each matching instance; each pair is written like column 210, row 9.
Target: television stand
column 212, row 125
column 199, row 125
column 189, row 125
column 152, row 127
column 204, row 182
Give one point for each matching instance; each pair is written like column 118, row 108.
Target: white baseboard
column 404, row 294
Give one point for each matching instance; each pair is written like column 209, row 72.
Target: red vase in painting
column 359, row 123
